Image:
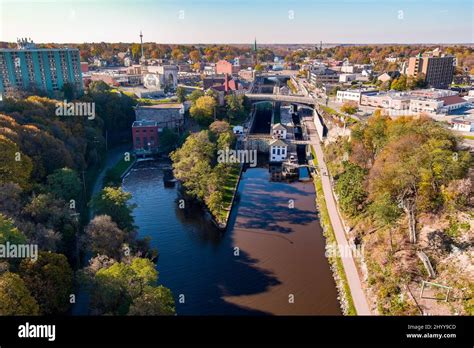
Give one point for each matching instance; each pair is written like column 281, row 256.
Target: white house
column 462, row 125
column 347, row 77
column 424, row 105
column 351, row 95
column 278, row 150
column 279, row 131
column 453, row 102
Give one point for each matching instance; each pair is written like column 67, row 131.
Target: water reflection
column 199, row 261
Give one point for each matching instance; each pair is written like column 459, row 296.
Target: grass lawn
column 328, row 232
column 230, row 186
column 113, row 177
column 154, row 102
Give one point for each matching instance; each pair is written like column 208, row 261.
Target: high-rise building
column 437, row 69
column 48, row 69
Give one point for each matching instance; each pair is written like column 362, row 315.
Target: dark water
column 281, row 250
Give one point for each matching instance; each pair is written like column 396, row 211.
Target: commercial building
column 425, row 106
column 351, row 95
column 114, row 77
column 169, row 115
column 145, row 136
column 243, row 62
column 225, row 67
column 389, row 100
column 453, row 102
column 437, row 69
column 160, row 77
column 29, row 68
column 462, row 124
column 327, row 77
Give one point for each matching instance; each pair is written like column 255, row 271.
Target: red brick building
column 225, row 67
column 145, row 136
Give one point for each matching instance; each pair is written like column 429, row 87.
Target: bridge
column 282, row 98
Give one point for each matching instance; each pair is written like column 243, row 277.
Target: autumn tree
column 104, row 237
column 203, row 110
column 195, row 56
column 14, row 165
column 50, row 280
column 15, row 298
column 349, row 108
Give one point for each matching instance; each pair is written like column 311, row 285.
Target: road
column 352, row 275
column 113, row 156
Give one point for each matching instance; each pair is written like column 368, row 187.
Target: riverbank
column 231, row 184
column 349, row 266
column 345, row 297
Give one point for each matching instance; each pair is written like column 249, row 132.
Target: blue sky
column 231, row 21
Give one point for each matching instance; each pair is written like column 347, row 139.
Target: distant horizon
column 258, row 43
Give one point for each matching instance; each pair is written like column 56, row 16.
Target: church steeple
column 255, row 45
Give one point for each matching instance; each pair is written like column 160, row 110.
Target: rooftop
column 278, row 142
column 451, row 100
column 144, row 123
column 162, row 106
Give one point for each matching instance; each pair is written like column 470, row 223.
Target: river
column 278, row 268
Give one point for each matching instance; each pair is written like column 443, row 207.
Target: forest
column 48, row 165
column 405, row 188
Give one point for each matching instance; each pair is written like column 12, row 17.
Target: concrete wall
column 319, row 125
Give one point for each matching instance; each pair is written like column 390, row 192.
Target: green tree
column 168, row 140
column 192, row 163
column 115, row 203
column 69, row 91
column 350, row 187
column 15, row 299
column 153, row 301
column 64, row 183
column 195, row 95
column 116, row 287
column 49, row 279
column 235, row 108
column 181, row 94
column 9, row 233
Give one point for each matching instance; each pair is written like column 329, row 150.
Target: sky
column 239, row 21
